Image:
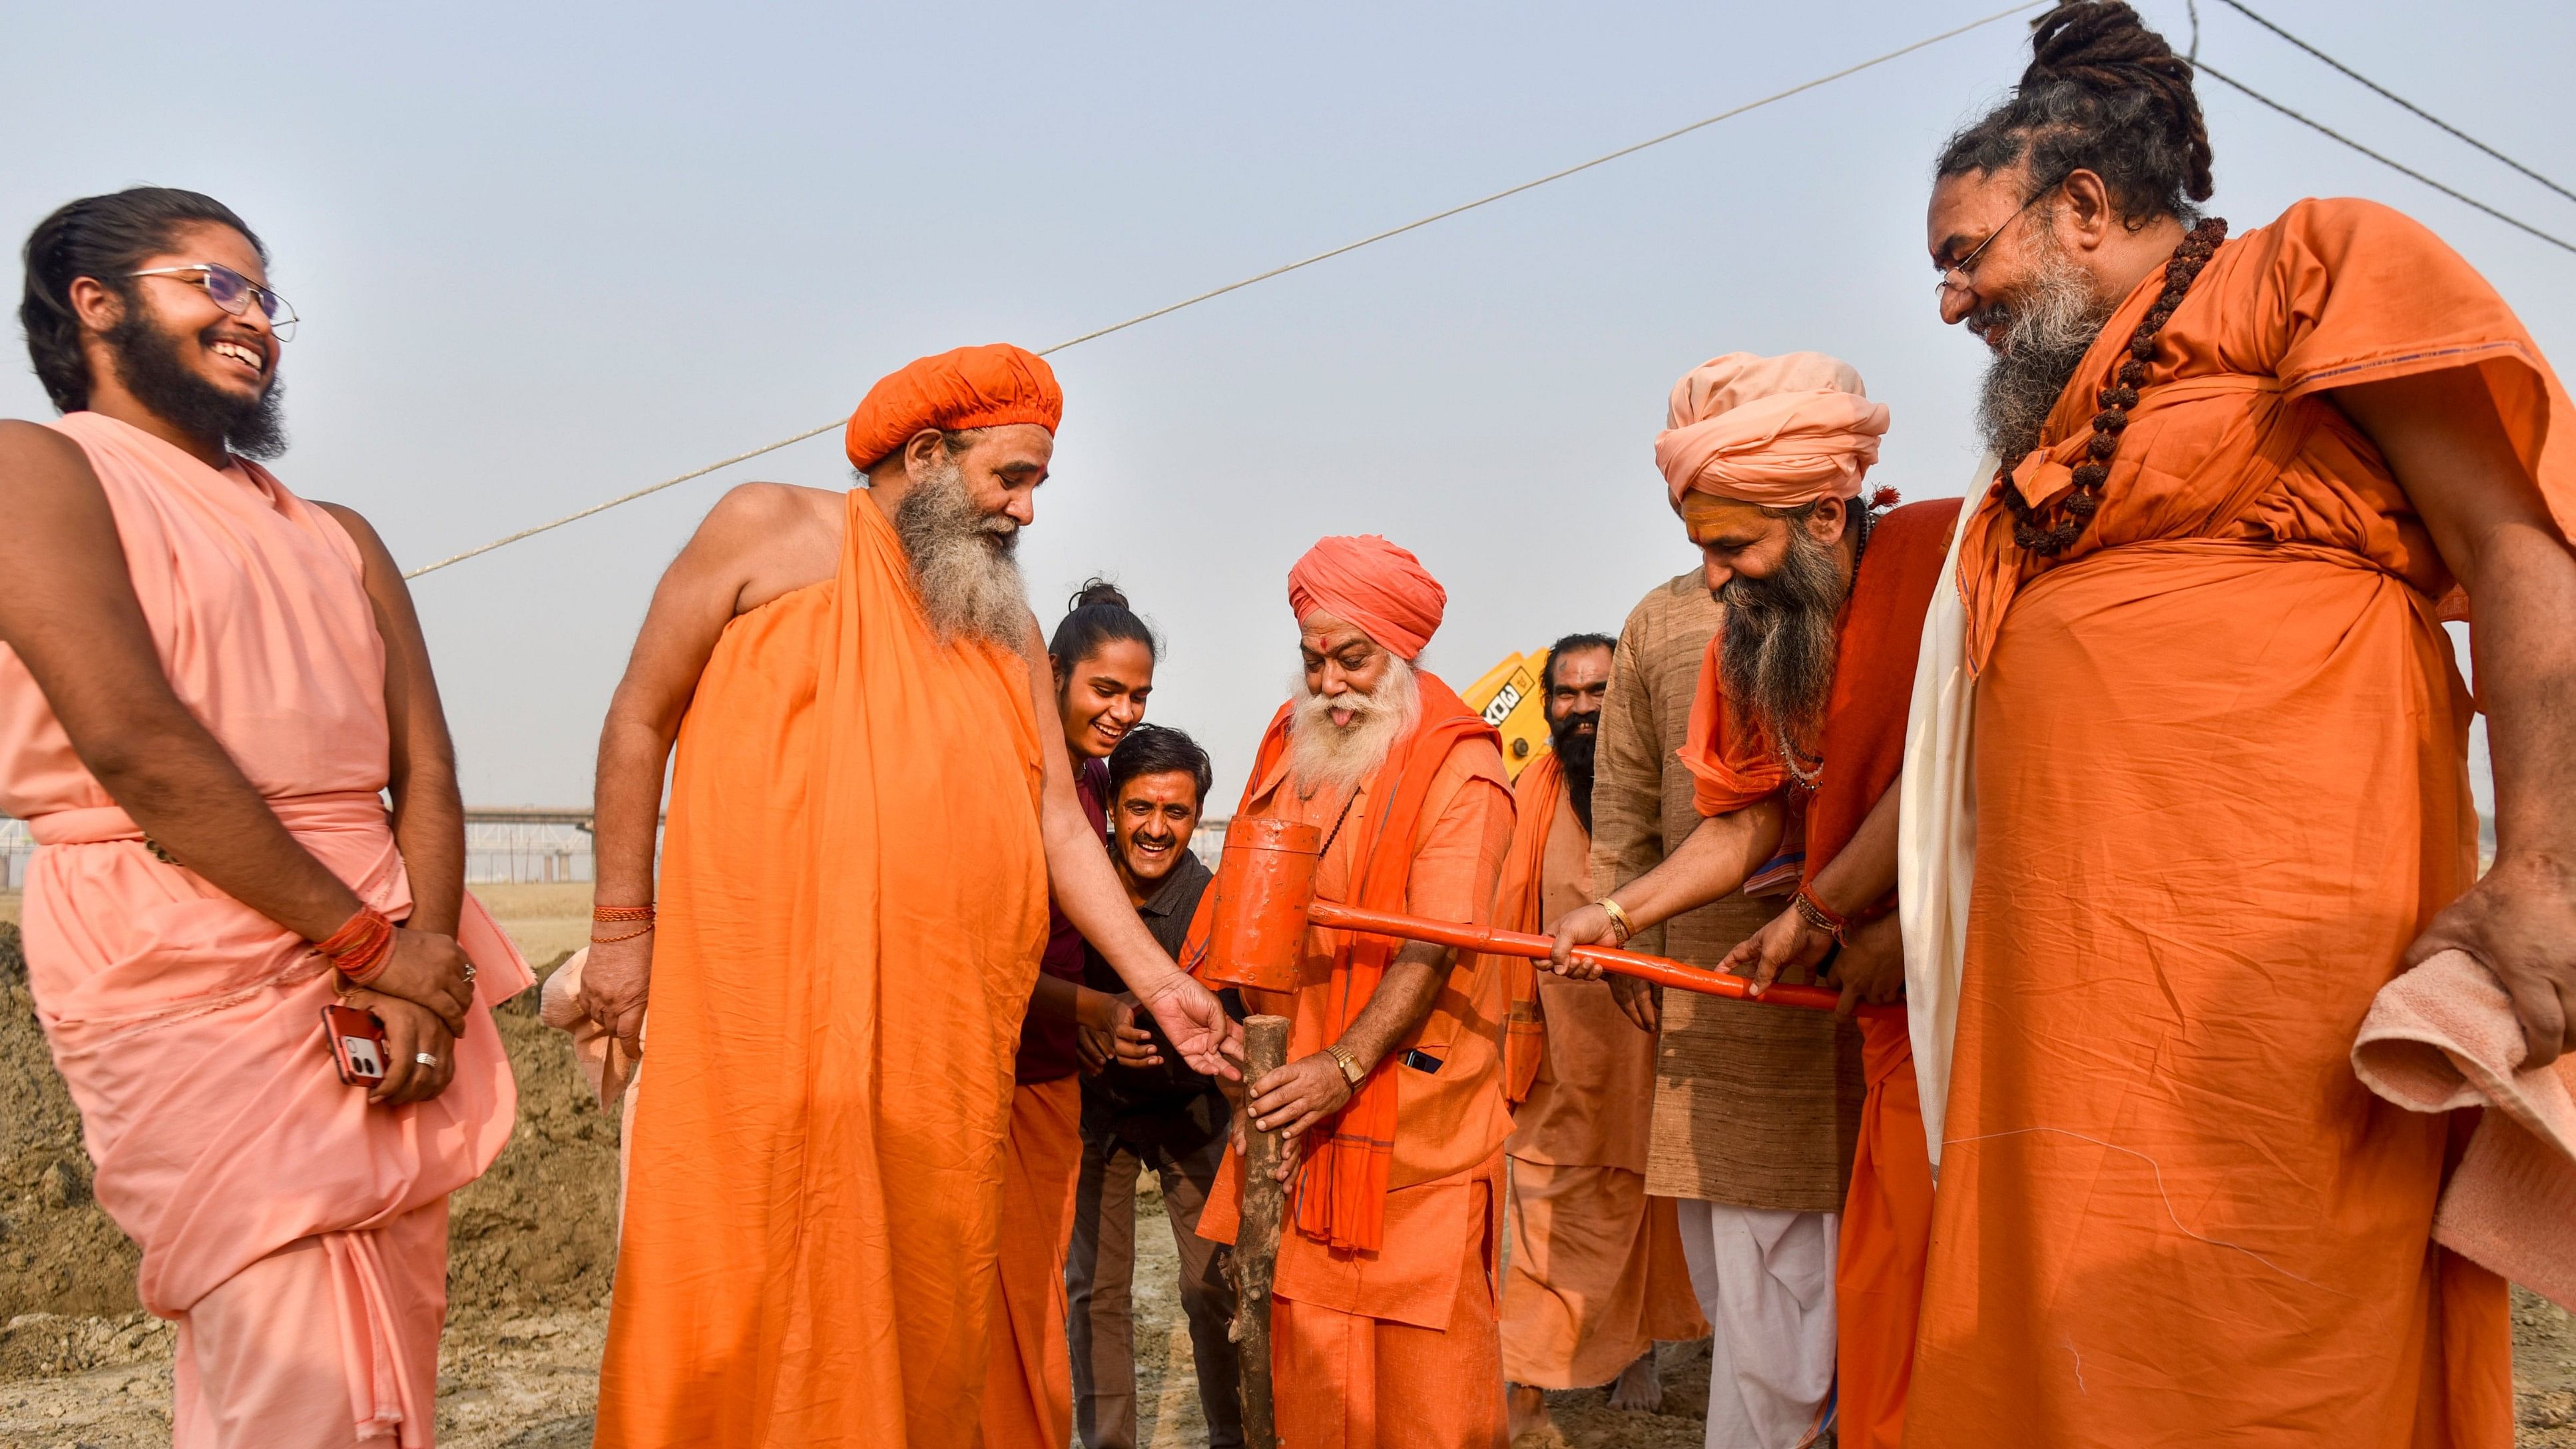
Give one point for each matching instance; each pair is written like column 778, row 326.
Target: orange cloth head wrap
column 971, row 387
column 1365, row 580
column 1776, row 432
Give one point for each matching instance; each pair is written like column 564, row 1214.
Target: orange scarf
column 1882, row 632
column 1341, row 1197
column 1518, row 907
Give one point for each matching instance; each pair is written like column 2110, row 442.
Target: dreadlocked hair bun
column 2103, row 93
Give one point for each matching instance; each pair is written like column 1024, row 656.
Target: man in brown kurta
column 1756, row 1109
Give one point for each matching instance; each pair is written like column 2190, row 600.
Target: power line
column 1280, row 271
column 2205, row 68
column 2388, row 94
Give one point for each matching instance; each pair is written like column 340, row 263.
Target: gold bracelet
column 1619, row 921
column 1350, row 1065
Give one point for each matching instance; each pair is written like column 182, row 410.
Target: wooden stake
column 1256, row 1243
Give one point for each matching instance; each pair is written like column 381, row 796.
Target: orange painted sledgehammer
column 1265, row 899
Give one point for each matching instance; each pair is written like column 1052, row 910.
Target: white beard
column 1322, row 753
column 962, row 561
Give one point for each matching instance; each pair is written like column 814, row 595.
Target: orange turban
column 1365, row 580
column 1776, row 432
column 972, row 387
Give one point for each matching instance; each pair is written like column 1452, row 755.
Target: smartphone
column 357, row 1042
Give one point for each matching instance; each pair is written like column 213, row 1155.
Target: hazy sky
column 550, row 253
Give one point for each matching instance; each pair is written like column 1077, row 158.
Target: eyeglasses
column 234, row 293
column 1961, row 275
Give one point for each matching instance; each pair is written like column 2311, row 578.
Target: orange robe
column 1396, row 1344
column 1596, row 1273
column 853, row 899
column 1887, row 1211
column 1028, row 1393
column 2222, row 784
column 296, row 1233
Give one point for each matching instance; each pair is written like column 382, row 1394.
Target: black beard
column 1780, row 638
column 1575, row 751
column 2047, row 331
column 150, row 364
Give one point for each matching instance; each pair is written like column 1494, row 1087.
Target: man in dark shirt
column 1168, row 1118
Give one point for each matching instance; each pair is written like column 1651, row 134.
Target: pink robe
column 296, row 1233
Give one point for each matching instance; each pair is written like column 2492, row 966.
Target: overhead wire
column 1278, row 271
column 2386, row 93
column 2205, row 68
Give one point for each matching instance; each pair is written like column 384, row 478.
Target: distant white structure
column 1209, row 844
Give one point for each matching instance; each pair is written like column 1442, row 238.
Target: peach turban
column 1776, row 432
column 1365, row 580
column 971, row 387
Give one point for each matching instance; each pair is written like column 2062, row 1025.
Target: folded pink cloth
column 2443, row 1036
column 601, row 1059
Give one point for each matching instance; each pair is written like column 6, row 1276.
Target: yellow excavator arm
column 1509, row 698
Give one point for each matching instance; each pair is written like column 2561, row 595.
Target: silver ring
column 425, row 1059
column 469, row 973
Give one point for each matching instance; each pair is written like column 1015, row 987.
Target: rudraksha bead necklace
column 2033, row 528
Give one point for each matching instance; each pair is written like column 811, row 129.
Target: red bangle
column 361, row 947
column 640, row 917
column 1825, row 918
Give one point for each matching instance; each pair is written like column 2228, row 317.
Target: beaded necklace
column 2033, row 527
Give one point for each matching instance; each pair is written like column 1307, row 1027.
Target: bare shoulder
column 51, row 496
column 62, row 559
column 35, row 456
column 766, row 540
column 382, row 573
column 361, row 532
column 772, row 505
column 1033, row 644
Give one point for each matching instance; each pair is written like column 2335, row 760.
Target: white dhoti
column 1765, row 1282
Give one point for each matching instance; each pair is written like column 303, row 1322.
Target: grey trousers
column 1101, row 1266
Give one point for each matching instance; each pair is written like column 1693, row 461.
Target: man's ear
column 2087, row 213
column 921, row 453
column 1826, row 524
column 96, row 304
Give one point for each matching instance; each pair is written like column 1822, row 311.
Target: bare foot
column 1640, row 1388
column 1528, row 1410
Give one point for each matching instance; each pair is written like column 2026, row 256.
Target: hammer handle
column 1495, row 941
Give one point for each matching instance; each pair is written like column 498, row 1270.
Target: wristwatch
column 1350, row 1065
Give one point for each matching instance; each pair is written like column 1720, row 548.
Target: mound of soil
column 58, row 1253
column 538, row 1231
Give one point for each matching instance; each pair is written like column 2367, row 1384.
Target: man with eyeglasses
column 2220, row 787
column 205, row 683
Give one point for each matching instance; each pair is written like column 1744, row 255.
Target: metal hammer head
column 1263, row 887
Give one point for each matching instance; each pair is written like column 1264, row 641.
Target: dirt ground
column 533, row 1246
